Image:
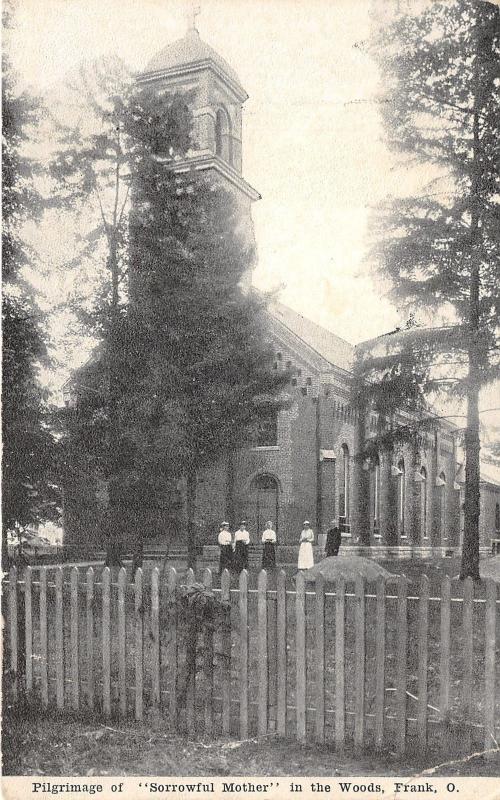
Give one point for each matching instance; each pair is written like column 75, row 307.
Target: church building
column 305, row 464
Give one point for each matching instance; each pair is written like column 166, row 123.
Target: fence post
column 208, row 666
column 122, row 641
column 59, row 624
column 172, row 661
column 300, row 645
column 401, row 657
column 44, row 650
column 13, row 632
column 339, row 663
column 489, row 665
column 380, row 665
column 320, row 658
column 272, row 672
column 423, row 633
column 467, row 645
column 106, row 641
column 90, row 637
column 225, row 586
column 281, row 666
column 359, row 719
column 75, row 666
column 155, row 640
column 243, row 671
column 191, row 652
column 28, row 630
column 262, row 652
column 445, row 647
column 139, row 625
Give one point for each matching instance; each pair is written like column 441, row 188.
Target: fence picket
column 225, row 586
column 489, row 665
column 359, row 719
column 155, row 640
column 191, row 651
column 300, row 647
column 262, row 653
column 319, row 666
column 138, row 646
column 106, row 641
column 423, row 647
column 44, row 650
column 272, row 674
column 467, row 676
column 243, row 671
column 401, row 661
column 59, row 629
column 75, row 674
column 122, row 642
column 89, row 604
column 13, row 632
column 380, row 665
column 445, row 647
column 172, row 659
column 208, row 666
column 28, row 630
column 281, row 666
column 339, row 664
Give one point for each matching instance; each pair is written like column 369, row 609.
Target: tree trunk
column 470, row 550
column 191, row 510
column 230, row 469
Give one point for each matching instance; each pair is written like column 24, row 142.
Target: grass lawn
column 43, row 745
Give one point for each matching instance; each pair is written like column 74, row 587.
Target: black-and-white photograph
column 251, row 398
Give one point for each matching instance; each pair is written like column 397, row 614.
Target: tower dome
column 191, row 51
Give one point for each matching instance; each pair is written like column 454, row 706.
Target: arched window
column 375, row 495
column 423, row 502
column 223, row 140
column 401, row 501
column 344, row 490
column 442, row 505
column 264, row 501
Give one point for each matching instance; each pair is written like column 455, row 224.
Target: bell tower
column 191, row 65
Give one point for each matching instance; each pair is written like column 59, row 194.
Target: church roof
column 189, row 50
column 331, row 347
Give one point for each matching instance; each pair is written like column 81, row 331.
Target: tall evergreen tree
column 29, row 453
column 440, row 249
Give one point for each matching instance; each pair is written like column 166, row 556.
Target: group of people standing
column 234, row 551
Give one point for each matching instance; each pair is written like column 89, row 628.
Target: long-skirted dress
column 306, row 556
column 226, row 551
column 269, row 554
column 240, row 557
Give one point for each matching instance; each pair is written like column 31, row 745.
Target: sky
column 313, row 145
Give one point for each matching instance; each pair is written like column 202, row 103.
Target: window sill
column 265, row 447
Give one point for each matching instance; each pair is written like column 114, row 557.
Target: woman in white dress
column 306, row 556
column 269, row 541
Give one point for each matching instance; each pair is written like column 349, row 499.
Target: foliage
column 30, row 494
column 440, row 248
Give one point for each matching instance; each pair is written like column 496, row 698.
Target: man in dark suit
column 333, row 540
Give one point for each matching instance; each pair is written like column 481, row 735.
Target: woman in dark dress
column 241, row 542
column 333, row 540
column 269, row 540
column 226, row 548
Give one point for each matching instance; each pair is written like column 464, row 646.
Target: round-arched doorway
column 263, row 502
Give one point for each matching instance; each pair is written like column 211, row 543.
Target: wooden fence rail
column 369, row 664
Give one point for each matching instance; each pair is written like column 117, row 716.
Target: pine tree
column 440, row 249
column 30, row 494
column 207, row 384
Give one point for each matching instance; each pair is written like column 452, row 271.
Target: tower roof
column 189, row 51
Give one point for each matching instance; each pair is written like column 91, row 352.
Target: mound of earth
column 349, row 567
column 490, row 568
